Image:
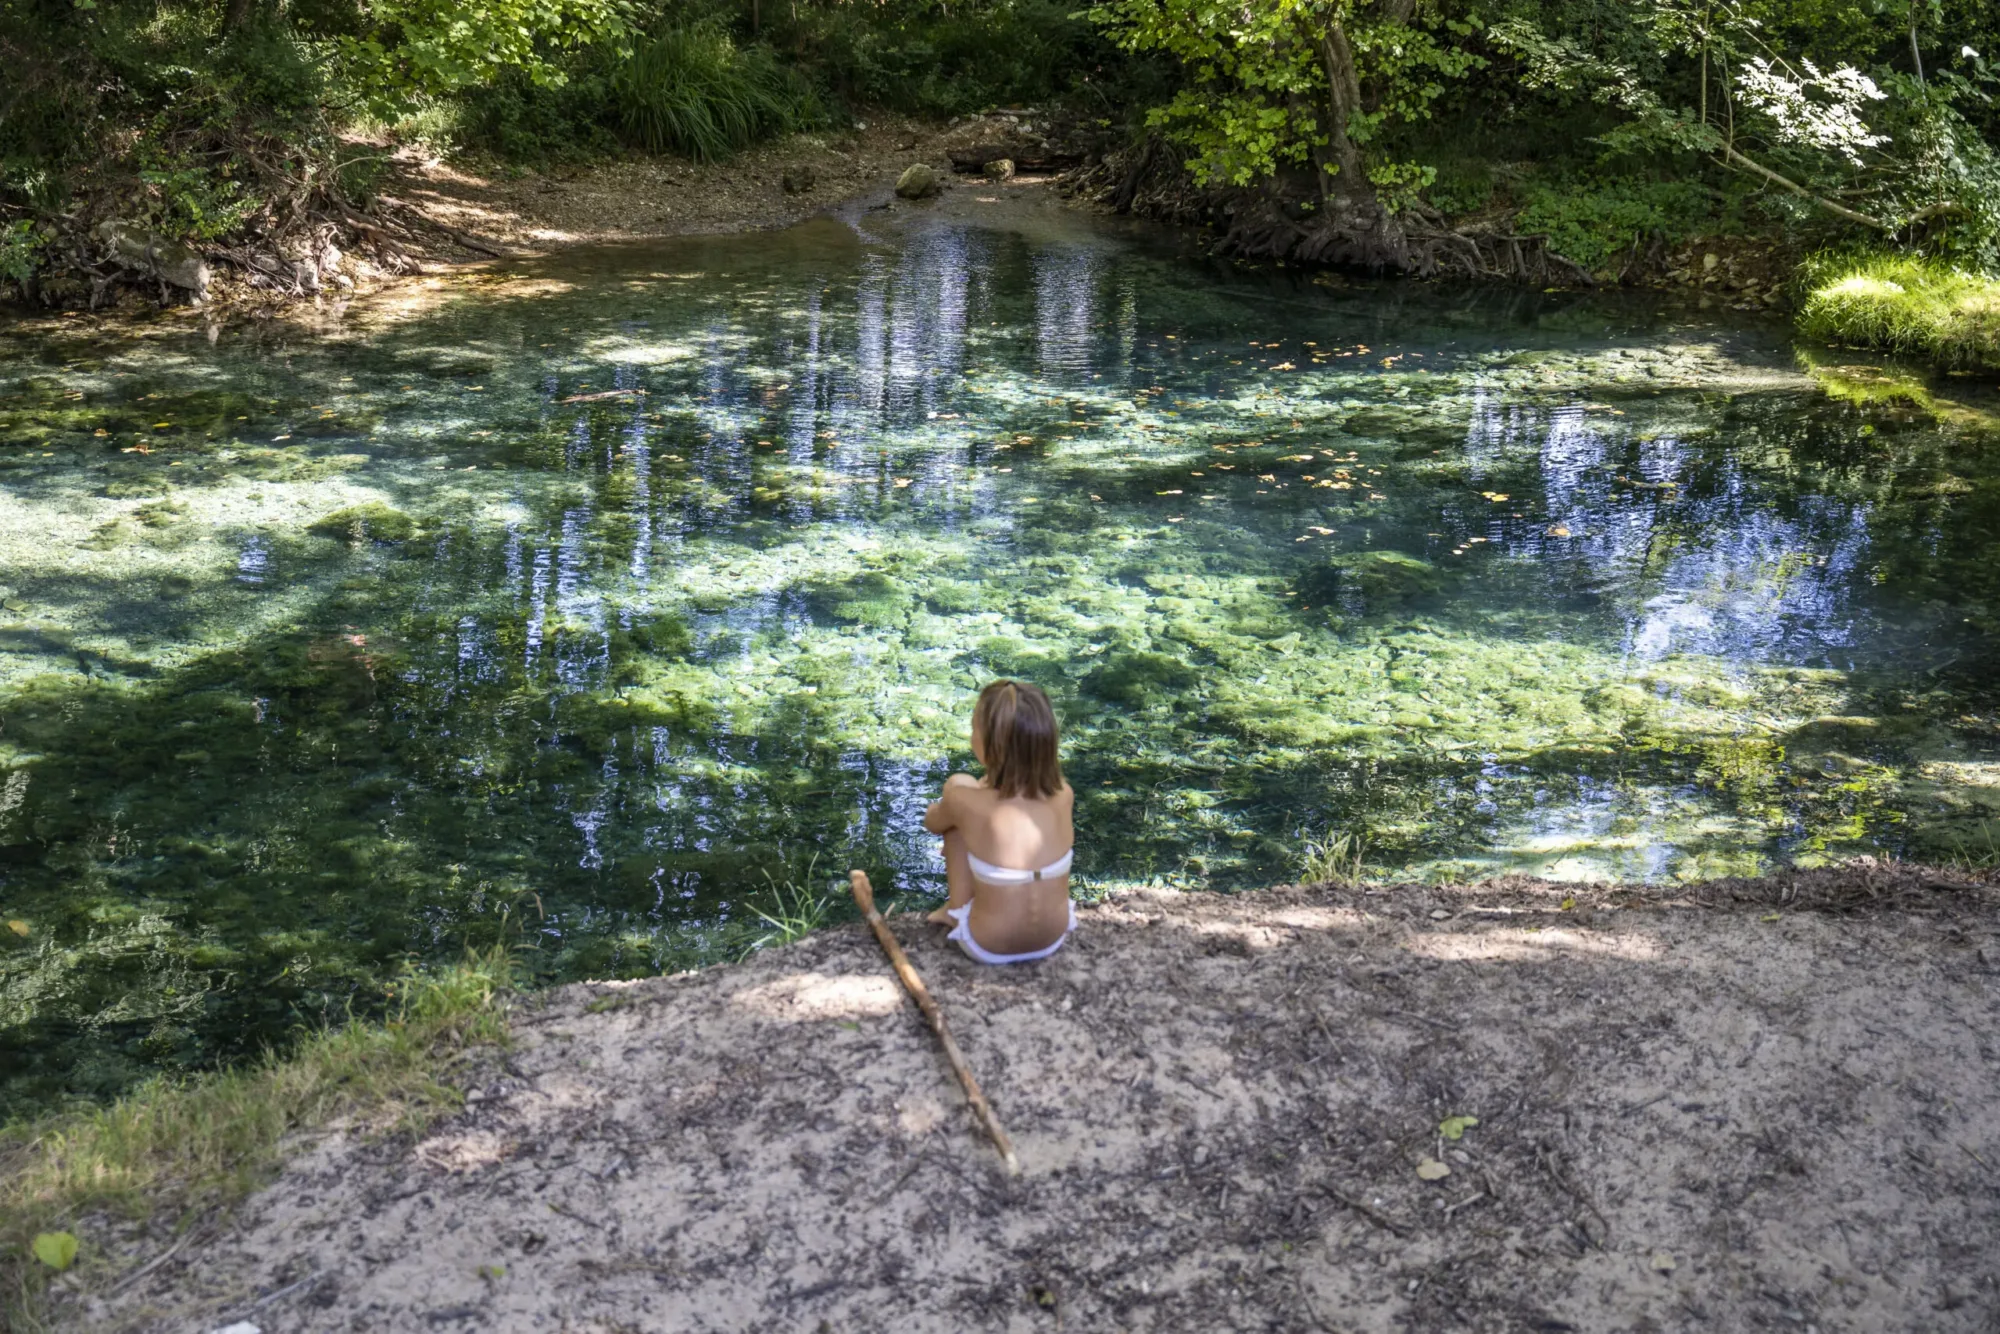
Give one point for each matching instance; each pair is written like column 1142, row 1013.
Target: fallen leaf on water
column 1663, row 1262
column 1558, row 531
column 1454, row 1127
column 1495, row 496
column 1770, row 917
column 18, row 927
column 1430, row 1169
column 900, row 481
column 57, row 1250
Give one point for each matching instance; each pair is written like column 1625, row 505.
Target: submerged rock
column 918, row 182
column 1140, row 678
column 371, row 522
column 1378, row 577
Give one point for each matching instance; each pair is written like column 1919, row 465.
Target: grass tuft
column 797, row 911
column 1980, row 852
column 691, row 90
column 1906, row 304
column 175, row 1148
column 1336, row 859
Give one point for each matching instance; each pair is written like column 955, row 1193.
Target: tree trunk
column 1343, row 87
column 1352, row 227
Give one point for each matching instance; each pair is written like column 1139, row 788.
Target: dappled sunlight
column 808, row 996
column 1534, row 945
column 461, row 1150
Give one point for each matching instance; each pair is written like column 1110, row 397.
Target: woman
column 1008, row 837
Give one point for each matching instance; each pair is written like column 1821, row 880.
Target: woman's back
column 1008, row 837
column 1019, row 849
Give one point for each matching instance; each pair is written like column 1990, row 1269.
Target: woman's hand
column 941, row 916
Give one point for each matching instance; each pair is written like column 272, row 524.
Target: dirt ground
column 1745, row 1105
column 638, row 197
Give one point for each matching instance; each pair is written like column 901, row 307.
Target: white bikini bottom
column 961, row 932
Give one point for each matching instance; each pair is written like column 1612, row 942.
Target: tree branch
column 1736, row 159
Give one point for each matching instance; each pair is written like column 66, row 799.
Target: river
column 598, row 604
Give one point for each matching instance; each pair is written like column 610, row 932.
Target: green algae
column 372, row 522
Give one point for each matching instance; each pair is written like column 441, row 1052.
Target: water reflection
column 669, row 585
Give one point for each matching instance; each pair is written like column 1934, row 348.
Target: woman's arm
column 941, row 817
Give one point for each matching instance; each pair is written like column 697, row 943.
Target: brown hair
column 1017, row 729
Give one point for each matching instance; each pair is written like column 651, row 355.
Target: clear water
column 1576, row 585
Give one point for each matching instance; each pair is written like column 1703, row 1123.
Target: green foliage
column 1592, row 225
column 691, row 90
column 923, row 60
column 418, row 48
column 1267, row 87
column 526, row 122
column 1903, row 303
column 20, row 248
column 797, row 910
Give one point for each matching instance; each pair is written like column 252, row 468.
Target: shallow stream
column 591, row 603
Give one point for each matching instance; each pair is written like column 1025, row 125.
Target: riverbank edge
column 137, row 1181
column 471, row 213
column 189, row 1150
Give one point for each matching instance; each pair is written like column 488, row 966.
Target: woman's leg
column 957, row 875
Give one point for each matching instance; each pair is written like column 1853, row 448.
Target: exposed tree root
column 1353, row 232
column 306, row 237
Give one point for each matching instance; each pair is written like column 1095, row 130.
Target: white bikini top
column 1007, row 875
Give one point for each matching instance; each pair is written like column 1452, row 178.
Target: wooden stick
column 864, row 898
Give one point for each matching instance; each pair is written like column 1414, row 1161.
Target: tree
column 1311, row 86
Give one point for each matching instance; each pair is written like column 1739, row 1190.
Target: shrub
column 524, row 122
column 1591, row 226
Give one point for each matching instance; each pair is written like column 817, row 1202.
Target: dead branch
column 1733, row 158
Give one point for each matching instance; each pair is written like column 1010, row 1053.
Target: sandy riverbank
column 1736, row 1105
column 637, row 197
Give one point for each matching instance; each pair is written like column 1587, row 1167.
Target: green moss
column 1866, row 386
column 870, row 598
